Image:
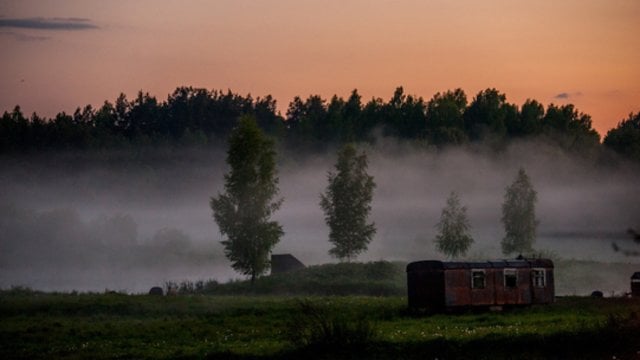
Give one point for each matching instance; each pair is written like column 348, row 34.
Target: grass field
column 45, row 326
column 383, row 278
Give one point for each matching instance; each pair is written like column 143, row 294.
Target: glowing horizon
column 67, row 54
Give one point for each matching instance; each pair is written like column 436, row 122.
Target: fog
column 128, row 221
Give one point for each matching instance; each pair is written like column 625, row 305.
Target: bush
column 316, row 326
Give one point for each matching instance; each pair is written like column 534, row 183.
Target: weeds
column 621, row 323
column 185, row 287
column 317, row 326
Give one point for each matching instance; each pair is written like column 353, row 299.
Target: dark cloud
column 566, row 95
column 24, row 37
column 39, row 23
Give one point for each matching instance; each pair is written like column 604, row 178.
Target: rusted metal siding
column 484, row 296
column 435, row 284
column 457, row 289
column 459, row 292
column 546, row 294
column 514, row 295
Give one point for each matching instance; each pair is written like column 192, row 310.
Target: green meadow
column 108, row 326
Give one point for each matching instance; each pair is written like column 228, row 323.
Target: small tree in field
column 519, row 215
column 453, row 238
column 347, row 204
column 243, row 212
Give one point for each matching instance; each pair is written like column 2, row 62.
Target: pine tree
column 453, row 238
column 347, row 204
column 243, row 212
column 519, row 215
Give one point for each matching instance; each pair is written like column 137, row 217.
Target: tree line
column 194, row 116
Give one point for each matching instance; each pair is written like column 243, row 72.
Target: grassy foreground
column 38, row 326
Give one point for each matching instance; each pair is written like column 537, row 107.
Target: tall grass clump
column 315, row 326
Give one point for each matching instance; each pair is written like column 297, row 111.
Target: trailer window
column 539, row 278
column 510, row 278
column 477, row 279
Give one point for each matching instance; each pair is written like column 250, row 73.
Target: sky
column 58, row 55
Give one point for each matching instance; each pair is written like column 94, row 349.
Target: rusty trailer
column 439, row 285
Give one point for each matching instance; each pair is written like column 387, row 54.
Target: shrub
column 316, row 326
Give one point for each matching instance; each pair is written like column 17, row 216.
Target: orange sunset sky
column 57, row 55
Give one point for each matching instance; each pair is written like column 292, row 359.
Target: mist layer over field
column 127, row 221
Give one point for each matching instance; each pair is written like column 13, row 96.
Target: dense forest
column 193, row 116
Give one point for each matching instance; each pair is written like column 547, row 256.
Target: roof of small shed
column 493, row 264
column 636, row 275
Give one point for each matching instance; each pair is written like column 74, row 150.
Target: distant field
column 105, row 326
column 383, row 278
